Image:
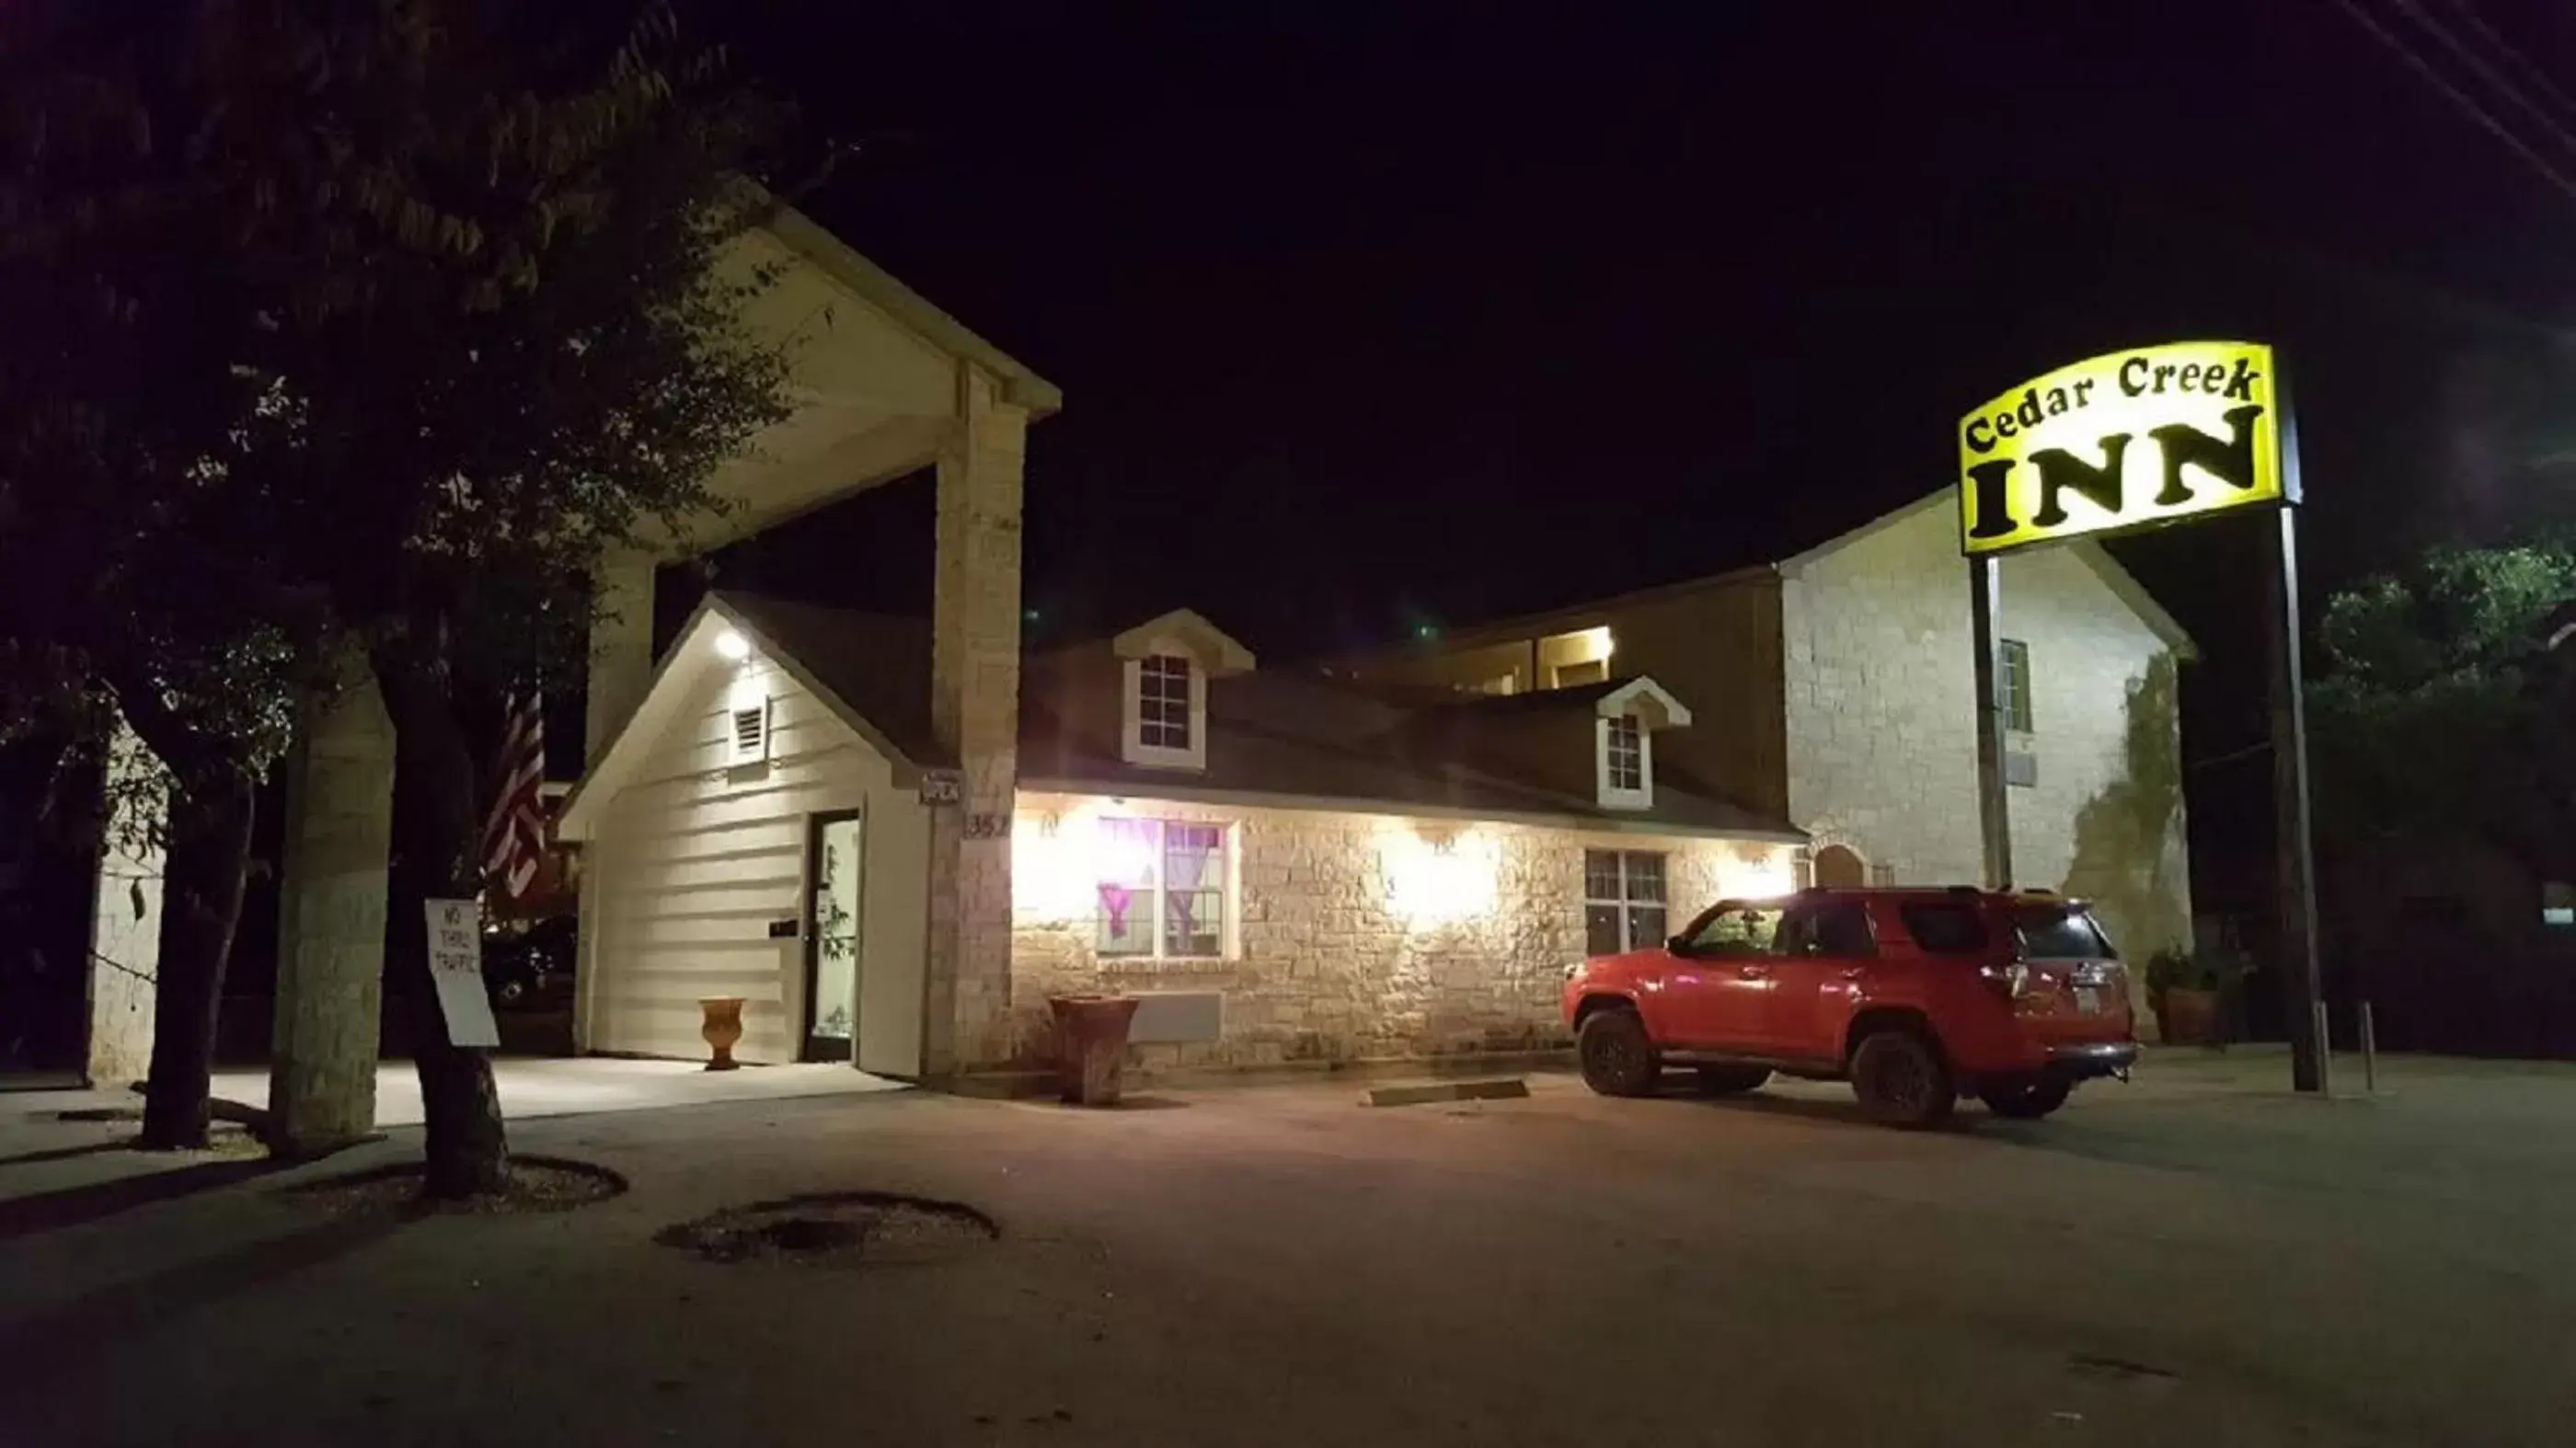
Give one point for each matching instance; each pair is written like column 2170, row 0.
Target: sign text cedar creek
column 2121, row 441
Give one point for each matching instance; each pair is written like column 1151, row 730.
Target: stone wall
column 1880, row 700
column 1356, row 936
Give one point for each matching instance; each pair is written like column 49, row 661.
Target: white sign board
column 456, row 968
column 940, row 786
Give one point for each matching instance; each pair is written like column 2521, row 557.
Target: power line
column 2488, row 73
column 2503, row 47
column 2461, row 98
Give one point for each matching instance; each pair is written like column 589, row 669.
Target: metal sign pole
column 2304, row 986
column 1994, row 804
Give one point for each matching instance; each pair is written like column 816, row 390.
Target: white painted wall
column 1880, row 699
column 695, row 858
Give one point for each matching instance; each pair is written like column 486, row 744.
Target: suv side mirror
column 1678, row 944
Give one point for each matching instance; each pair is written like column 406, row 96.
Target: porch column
column 974, row 708
column 331, row 919
column 620, row 669
column 621, row 647
column 125, row 930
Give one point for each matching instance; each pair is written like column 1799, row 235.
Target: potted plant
column 2192, row 993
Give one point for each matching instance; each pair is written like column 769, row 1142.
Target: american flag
column 514, row 833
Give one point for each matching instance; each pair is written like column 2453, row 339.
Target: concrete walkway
column 580, row 1085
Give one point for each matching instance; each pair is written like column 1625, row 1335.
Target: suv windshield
column 2059, row 933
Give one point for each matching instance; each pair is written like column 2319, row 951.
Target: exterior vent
column 2021, row 767
column 751, row 734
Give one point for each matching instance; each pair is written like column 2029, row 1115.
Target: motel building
column 1382, row 857
column 894, row 840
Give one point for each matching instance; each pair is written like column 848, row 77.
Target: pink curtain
column 1124, row 842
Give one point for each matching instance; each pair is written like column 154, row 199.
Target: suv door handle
column 1753, row 972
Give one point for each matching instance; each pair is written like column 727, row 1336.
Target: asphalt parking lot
column 2196, row 1258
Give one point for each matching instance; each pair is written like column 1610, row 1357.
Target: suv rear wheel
column 1731, row 1080
column 1901, row 1079
column 1618, row 1059
column 2026, row 1100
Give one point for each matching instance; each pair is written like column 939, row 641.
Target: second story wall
column 1714, row 643
column 1881, row 720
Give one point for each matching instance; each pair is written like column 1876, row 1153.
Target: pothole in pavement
column 537, row 1184
column 836, row 1229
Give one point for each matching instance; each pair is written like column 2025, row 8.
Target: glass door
column 832, row 938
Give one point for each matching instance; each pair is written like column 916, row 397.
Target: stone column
column 620, row 671
column 974, row 708
column 125, row 928
column 621, row 647
column 331, row 921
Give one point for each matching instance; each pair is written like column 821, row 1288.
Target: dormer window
column 1166, row 666
column 1623, row 741
column 1163, row 701
column 1624, row 761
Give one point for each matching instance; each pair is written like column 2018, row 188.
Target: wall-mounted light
column 1439, row 882
column 733, row 646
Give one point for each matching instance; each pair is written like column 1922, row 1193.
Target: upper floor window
column 1625, row 754
column 1163, row 702
column 2012, row 682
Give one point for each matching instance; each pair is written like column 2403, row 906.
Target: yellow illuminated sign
column 2121, row 441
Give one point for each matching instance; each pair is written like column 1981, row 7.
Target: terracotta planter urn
column 2190, row 1017
column 722, row 1029
column 1091, row 1045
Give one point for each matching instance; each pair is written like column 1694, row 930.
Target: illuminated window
column 2013, row 685
column 1623, row 900
column 1163, row 702
column 1627, row 753
column 1162, row 887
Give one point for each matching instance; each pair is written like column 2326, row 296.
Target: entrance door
column 832, row 937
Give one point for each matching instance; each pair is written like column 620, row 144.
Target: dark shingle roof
column 1286, row 734
column 877, row 665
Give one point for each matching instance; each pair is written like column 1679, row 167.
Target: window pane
column 1645, row 876
column 1748, row 931
column 1601, row 930
column 1601, row 875
column 1124, row 873
column 1842, row 931
column 2054, row 934
column 1194, row 889
column 1946, row 927
column 1645, row 926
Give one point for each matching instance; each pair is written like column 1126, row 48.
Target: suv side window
column 1946, row 927
column 1836, row 929
column 1734, row 929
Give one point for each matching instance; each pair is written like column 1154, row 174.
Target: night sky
column 1374, row 315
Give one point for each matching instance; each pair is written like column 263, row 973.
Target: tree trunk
column 202, row 873
column 435, row 834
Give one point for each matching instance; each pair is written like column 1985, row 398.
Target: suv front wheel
column 1901, row 1079
column 1618, row 1059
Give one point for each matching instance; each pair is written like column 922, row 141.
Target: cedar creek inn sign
column 2122, row 441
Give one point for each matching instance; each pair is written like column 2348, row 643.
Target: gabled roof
column 1304, row 739
column 1218, row 651
column 870, row 671
column 878, row 286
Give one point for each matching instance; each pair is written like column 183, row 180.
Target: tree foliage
column 2442, row 711
column 367, row 328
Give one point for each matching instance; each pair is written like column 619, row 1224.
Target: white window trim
column 1132, row 745
column 1614, row 798
column 1626, row 902
column 1229, row 933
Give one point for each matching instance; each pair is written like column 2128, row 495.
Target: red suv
column 1915, row 996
